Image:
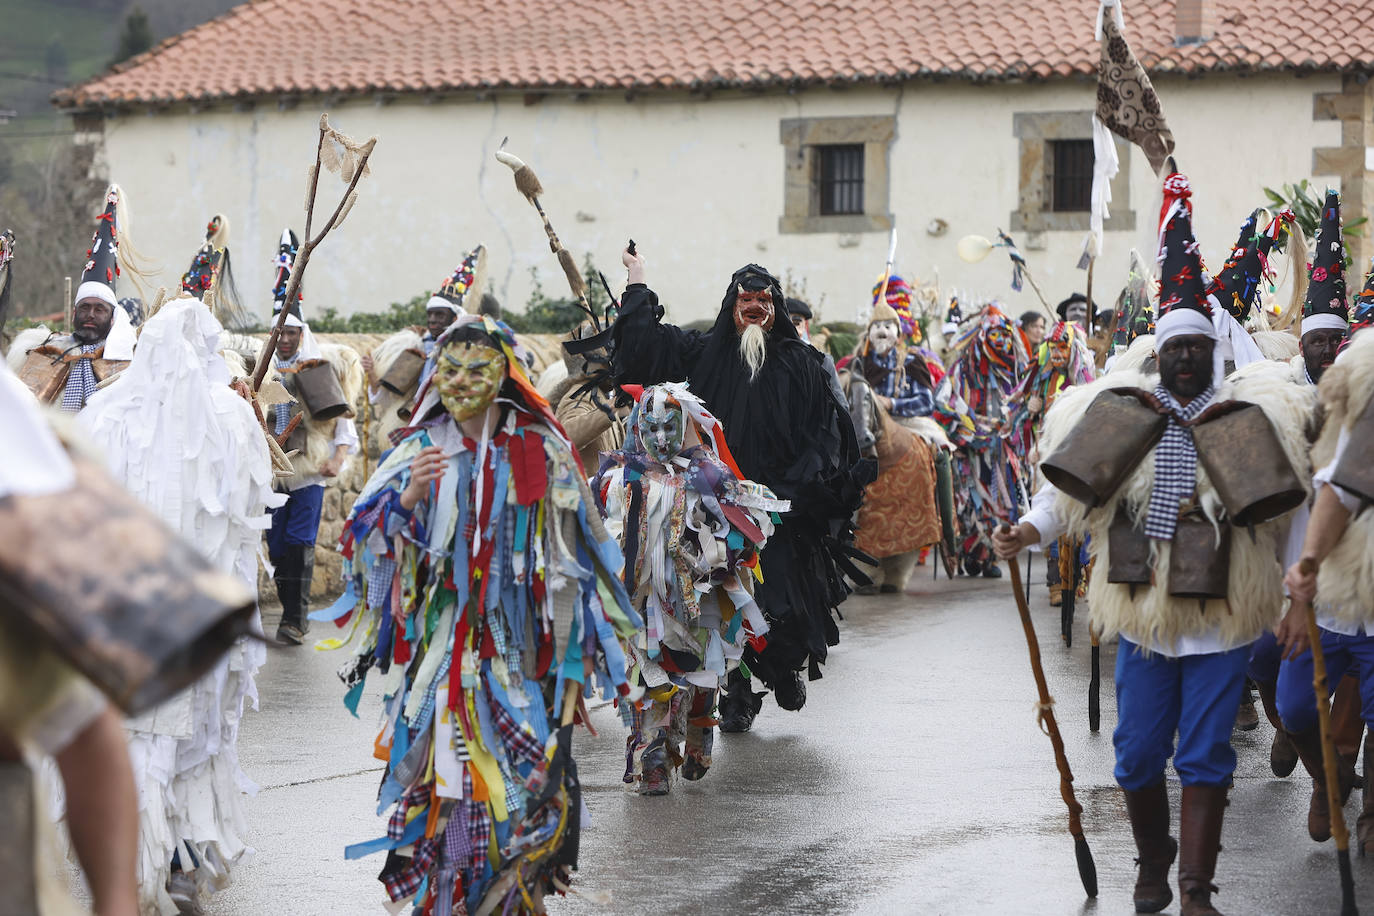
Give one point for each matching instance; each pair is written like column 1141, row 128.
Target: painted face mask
column 753, row 308
column 467, row 377
column 999, row 341
column 1059, row 354
column 662, row 426
column 883, row 336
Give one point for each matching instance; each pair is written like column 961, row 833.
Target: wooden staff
column 308, row 245
column 1095, row 682
column 527, row 183
column 1333, row 789
column 1087, row 869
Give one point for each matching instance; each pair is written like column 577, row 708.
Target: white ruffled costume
column 191, row 449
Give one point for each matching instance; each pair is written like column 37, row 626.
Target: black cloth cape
column 788, row 431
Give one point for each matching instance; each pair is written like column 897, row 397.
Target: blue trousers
column 1297, row 701
column 1265, row 656
column 1195, row 696
column 295, row 522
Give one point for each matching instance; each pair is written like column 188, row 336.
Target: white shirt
column 1351, row 502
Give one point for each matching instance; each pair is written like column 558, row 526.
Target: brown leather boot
column 1247, row 717
column 1199, row 842
column 1309, row 747
column 1283, row 756
column 1149, row 812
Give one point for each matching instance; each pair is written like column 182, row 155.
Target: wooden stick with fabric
column 527, row 183
column 1333, row 791
column 352, row 165
column 1087, row 869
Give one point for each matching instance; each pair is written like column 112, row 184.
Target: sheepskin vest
column 1150, row 615
column 1345, row 583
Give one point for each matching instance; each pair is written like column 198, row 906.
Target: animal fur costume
column 58, row 368
column 1255, row 594
column 1345, row 582
column 319, row 434
column 388, row 406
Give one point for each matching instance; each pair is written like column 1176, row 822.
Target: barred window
column 1071, row 178
column 840, row 179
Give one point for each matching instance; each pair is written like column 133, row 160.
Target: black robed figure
column 788, row 431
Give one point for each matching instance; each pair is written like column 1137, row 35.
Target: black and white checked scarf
column 1175, row 463
column 81, row 383
column 284, row 411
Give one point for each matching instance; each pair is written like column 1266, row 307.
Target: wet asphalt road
column 915, row 781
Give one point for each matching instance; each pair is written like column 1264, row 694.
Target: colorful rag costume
column 487, row 609
column 691, row 530
column 1062, row 360
column 974, row 403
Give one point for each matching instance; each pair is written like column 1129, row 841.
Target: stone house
column 718, row 132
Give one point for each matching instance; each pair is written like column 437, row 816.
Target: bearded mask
column 662, row 426
column 882, row 336
column 753, row 308
column 467, row 377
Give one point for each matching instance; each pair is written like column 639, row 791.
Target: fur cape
column 319, row 435
column 388, row 402
column 1279, row 345
column 1140, row 352
column 1151, row 616
column 23, row 342
column 1345, row 582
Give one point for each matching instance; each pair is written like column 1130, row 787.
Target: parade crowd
column 668, row 519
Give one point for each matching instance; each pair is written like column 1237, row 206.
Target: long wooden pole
column 308, row 245
column 1333, row 789
column 1087, row 869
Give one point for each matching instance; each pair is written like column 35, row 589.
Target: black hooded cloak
column 788, row 431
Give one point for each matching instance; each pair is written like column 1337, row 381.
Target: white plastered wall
column 697, row 183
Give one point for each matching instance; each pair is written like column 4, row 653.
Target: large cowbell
column 1114, row 435
column 1355, row 470
column 1240, row 451
column 320, row 390
column 98, row 578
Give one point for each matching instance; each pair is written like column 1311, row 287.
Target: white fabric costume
column 192, row 450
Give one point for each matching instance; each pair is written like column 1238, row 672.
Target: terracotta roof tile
column 275, row 47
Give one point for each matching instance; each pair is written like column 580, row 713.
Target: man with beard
column 66, row 369
column 1185, row 595
column 786, row 429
